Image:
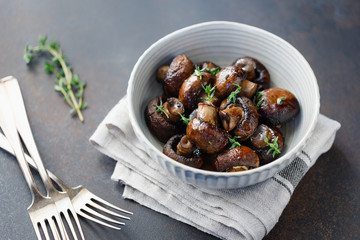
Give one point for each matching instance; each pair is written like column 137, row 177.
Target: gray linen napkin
column 246, row 213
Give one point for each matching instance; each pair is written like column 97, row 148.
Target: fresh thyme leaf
column 260, row 102
column 160, row 109
column 212, row 71
column 233, row 94
column 184, row 119
column 234, row 143
column 210, row 91
column 274, row 147
column 280, row 100
column 67, row 84
column 259, row 94
column 42, row 40
column 198, row 72
column 49, row 67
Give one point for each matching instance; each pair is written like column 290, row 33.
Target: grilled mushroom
column 236, row 159
column 277, row 105
column 183, row 155
column 255, row 71
column 180, row 69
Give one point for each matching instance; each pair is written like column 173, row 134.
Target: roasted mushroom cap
column 180, row 69
column 246, row 126
column 258, row 74
column 277, row 105
column 157, row 121
column 170, row 149
column 208, row 65
column 240, row 158
column 208, row 137
column 173, row 108
column 269, row 148
column 225, row 80
column 191, row 89
column 161, row 73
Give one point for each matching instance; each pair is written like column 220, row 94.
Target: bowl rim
column 295, row 150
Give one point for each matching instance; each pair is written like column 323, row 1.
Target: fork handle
column 23, row 127
column 8, row 126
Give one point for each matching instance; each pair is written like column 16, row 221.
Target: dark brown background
column 103, row 40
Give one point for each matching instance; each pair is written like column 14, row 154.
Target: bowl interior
column 222, row 43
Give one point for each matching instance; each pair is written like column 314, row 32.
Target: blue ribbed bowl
column 222, row 43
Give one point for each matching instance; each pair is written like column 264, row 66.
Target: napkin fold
column 245, row 213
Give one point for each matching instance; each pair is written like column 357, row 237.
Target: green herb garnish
column 279, row 101
column 259, row 94
column 184, row 119
column 233, row 94
column 261, row 101
column 198, row 72
column 160, row 109
column 210, row 91
column 234, row 143
column 273, row 146
column 67, row 84
column 212, row 71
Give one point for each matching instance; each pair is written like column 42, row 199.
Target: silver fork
column 83, row 201
column 42, row 210
column 80, row 197
column 61, row 199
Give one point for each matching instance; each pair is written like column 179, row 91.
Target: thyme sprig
column 160, row 109
column 234, row 143
column 280, row 101
column 233, row 94
column 184, row 119
column 274, row 147
column 67, row 83
column 210, row 91
column 198, row 72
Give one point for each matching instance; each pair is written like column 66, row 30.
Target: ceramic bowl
column 222, row 43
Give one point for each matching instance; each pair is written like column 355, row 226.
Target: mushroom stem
column 207, row 113
column 248, row 88
column 185, row 147
column 231, row 116
column 173, row 108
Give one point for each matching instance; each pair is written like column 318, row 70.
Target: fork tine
column 95, row 205
column 97, row 221
column 69, row 222
column 45, row 231
column 37, row 231
column 109, row 204
column 54, row 229
column 61, row 227
column 89, row 210
column 77, row 223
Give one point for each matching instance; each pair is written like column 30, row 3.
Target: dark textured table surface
column 104, row 39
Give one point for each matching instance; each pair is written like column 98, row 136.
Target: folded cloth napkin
column 246, row 213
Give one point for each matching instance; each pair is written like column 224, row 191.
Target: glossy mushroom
column 172, row 109
column 191, row 89
column 180, row 69
column 236, row 159
column 268, row 143
column 248, row 88
column 248, row 123
column 277, row 105
column 170, row 149
column 208, row 113
column 158, row 122
column 225, row 80
column 161, row 73
column 254, row 71
column 208, row 137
